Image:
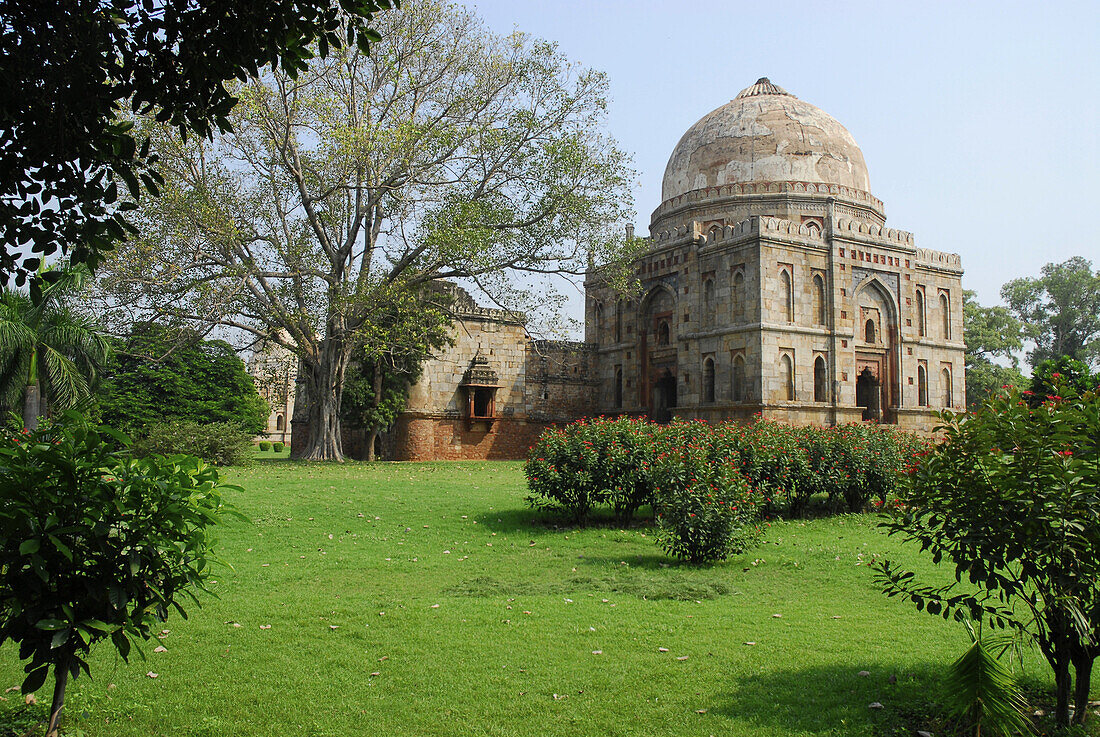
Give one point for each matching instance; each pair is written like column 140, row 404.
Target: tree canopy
column 158, row 375
column 70, row 165
column 449, row 152
column 990, row 333
column 1060, row 311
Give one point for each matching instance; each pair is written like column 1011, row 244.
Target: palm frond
column 63, row 382
column 985, row 694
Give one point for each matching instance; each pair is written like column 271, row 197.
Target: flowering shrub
column 705, row 507
column 592, row 462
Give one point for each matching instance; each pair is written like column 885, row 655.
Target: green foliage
column 278, row 447
column 990, row 333
column 265, row 446
column 159, row 375
column 95, row 545
column 73, row 167
column 983, row 694
column 1011, row 497
column 712, row 484
column 1062, row 371
column 220, row 443
column 1060, row 311
column 50, row 344
column 448, row 153
column 398, row 337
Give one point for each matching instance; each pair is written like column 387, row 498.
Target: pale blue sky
column 979, row 122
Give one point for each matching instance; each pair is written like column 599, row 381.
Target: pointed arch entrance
column 877, row 387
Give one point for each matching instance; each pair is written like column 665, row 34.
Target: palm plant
column 48, row 350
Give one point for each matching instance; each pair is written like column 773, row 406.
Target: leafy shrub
column 265, row 446
column 220, row 443
column 278, row 447
column 94, row 544
column 592, row 462
column 1011, row 500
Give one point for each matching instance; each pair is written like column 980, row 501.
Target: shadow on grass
column 547, row 520
column 830, row 699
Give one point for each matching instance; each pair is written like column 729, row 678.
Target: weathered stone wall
column 560, row 386
column 430, row 438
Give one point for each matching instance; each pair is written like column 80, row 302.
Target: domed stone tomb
column 765, row 134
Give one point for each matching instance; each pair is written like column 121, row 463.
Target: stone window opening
column 480, row 384
column 738, row 380
column 945, row 310
column 786, row 371
column 869, row 331
column 787, row 293
column 618, row 387
column 620, row 307
column 821, row 388
column 708, row 302
column 736, row 294
column 922, row 385
column 663, row 336
column 280, row 423
column 948, row 398
column 708, row 380
column 819, row 300
column 921, row 330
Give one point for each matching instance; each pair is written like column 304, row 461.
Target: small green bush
column 220, row 443
column 265, row 446
column 278, row 447
column 95, row 545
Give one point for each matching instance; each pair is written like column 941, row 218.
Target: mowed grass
column 426, row 599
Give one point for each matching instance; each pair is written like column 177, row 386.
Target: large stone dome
column 765, row 134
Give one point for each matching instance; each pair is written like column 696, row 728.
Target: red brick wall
column 442, row 439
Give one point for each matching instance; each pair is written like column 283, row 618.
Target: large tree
column 449, row 152
column 1060, row 311
column 993, row 338
column 70, row 166
column 158, row 375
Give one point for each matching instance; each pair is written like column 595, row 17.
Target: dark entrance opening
column 867, row 394
column 664, row 397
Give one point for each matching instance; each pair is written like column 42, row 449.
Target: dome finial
column 763, row 86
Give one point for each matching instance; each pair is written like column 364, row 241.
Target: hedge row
column 731, row 474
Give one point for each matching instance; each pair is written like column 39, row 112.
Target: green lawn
column 425, row 599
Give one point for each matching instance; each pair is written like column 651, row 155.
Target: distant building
column 773, row 285
column 274, row 369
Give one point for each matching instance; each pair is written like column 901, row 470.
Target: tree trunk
column 324, row 388
column 1062, row 684
column 372, row 438
column 61, row 680
column 32, row 406
column 1082, row 671
column 376, row 390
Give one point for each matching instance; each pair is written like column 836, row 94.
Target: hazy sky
column 979, row 122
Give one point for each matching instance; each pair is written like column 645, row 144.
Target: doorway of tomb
column 664, row 397
column 869, row 394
